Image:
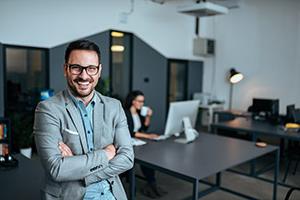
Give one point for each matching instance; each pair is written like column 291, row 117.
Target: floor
column 179, row 189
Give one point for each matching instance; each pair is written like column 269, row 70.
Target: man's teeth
column 83, row 83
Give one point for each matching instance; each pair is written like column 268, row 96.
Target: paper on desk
column 137, row 142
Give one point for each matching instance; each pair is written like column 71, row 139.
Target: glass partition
column 25, row 77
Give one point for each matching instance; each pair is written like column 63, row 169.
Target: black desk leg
column 276, row 171
column 253, row 162
column 195, row 189
column 218, row 179
column 132, row 184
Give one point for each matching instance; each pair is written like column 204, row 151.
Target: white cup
column 144, row 111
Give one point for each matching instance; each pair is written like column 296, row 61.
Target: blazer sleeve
column 47, row 133
column 124, row 158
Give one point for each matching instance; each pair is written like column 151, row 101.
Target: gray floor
column 179, row 189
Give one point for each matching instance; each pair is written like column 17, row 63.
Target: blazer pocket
column 70, row 132
column 72, row 140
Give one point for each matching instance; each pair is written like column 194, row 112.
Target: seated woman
column 138, row 125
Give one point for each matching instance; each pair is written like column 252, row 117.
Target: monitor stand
column 190, row 133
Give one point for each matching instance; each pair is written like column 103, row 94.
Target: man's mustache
column 81, row 79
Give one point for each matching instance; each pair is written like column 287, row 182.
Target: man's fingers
column 65, row 150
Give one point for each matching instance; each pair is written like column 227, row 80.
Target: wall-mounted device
column 203, row 9
column 203, row 47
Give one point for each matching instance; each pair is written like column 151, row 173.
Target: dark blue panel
column 150, row 76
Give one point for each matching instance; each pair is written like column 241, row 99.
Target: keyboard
column 161, row 137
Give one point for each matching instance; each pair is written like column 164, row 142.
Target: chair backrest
column 289, row 193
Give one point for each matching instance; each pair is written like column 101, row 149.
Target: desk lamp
column 234, row 77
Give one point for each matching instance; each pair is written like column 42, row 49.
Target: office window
column 26, row 75
column 177, row 83
column 120, row 71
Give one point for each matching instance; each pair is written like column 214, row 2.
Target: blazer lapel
column 98, row 122
column 76, row 119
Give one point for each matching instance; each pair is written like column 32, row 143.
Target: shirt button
column 91, row 149
column 89, row 132
column 102, row 193
column 85, row 115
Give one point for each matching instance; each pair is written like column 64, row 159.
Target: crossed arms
column 63, row 165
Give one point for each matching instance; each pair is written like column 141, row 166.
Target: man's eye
column 75, row 67
column 92, row 68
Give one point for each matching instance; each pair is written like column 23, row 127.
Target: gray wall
column 148, row 63
column 195, row 78
column 56, row 60
column 1, row 82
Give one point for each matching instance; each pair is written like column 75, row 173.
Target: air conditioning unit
column 203, row 47
column 203, row 9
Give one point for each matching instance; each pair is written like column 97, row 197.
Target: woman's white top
column 136, row 122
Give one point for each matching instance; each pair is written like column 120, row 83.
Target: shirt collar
column 78, row 101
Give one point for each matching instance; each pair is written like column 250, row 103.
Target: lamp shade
column 235, row 76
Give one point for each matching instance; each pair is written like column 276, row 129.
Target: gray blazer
column 57, row 119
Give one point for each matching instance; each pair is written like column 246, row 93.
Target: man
column 82, row 137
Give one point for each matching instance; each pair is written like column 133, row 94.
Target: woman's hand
column 151, row 135
column 149, row 112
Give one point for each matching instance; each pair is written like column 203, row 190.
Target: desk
column 206, row 156
column 22, row 182
column 255, row 128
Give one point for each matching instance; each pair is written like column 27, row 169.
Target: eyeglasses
column 76, row 69
column 139, row 101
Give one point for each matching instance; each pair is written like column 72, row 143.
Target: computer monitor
column 182, row 116
column 270, row 107
column 296, row 115
column 290, row 109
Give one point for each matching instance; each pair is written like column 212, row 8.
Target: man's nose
column 84, row 74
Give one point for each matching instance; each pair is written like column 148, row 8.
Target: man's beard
column 74, row 89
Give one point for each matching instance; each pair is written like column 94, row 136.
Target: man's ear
column 65, row 70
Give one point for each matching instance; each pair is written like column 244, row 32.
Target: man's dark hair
column 130, row 97
column 81, row 45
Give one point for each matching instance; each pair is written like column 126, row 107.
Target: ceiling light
column 116, row 34
column 117, row 48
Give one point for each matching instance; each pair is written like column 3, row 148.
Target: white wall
column 261, row 38
column 49, row 23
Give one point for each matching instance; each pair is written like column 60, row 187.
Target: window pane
column 177, row 81
column 120, row 71
column 25, row 77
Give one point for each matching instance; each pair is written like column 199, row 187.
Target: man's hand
column 64, row 149
column 110, row 151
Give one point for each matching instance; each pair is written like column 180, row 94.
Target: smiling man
column 82, row 136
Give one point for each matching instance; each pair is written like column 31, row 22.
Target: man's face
column 83, row 84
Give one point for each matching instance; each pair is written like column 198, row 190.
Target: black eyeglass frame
column 82, row 68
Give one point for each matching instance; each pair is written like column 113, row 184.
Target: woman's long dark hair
column 130, row 97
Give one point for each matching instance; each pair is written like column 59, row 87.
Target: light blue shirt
column 100, row 190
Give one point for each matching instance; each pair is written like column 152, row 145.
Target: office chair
column 289, row 193
column 293, row 154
